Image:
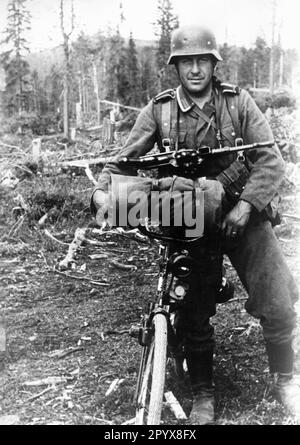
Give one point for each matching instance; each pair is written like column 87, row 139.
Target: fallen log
column 287, row 215
column 89, row 174
column 79, row 238
column 84, row 163
column 46, row 381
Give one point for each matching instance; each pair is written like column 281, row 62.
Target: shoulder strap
column 164, row 95
column 229, row 88
column 167, row 108
column 232, row 104
column 231, row 93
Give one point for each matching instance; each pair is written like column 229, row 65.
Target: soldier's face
column 195, row 72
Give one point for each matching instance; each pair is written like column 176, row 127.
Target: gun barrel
column 242, row 147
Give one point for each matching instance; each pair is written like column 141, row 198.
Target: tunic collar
column 185, row 102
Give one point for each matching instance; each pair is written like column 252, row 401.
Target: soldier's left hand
column 237, row 219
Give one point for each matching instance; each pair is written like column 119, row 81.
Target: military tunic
column 256, row 255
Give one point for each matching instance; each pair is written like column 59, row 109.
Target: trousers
column 262, row 269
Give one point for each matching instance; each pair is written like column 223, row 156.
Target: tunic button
column 232, row 107
column 233, row 133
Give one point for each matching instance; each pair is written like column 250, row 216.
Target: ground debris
column 46, row 381
column 36, row 396
column 79, row 238
column 9, row 420
column 45, row 314
column 123, row 266
column 98, row 256
column 130, row 421
column 174, row 406
column 63, row 353
column 47, row 233
column 114, row 386
column 75, row 277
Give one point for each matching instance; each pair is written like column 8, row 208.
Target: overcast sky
column 237, row 21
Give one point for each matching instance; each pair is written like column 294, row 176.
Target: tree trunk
column 66, row 107
column 96, row 89
column 66, row 38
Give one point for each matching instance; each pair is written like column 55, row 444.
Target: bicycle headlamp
column 181, row 265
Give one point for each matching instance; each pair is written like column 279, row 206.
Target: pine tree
column 261, row 54
column 246, row 68
column 53, row 88
column 133, row 74
column 82, row 69
column 228, row 69
column 167, row 21
column 148, row 75
column 18, row 87
column 117, row 74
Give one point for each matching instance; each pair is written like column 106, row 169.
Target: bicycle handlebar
column 188, row 159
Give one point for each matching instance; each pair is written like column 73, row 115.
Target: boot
column 200, row 366
column 285, row 388
column 287, row 392
column 226, row 292
column 203, row 411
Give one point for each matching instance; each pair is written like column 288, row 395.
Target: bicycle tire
column 150, row 397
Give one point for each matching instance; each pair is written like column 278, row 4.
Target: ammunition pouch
column 234, row 179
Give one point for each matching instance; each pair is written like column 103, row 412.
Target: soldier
column 204, row 111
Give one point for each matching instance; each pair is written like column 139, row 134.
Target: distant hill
column 43, row 60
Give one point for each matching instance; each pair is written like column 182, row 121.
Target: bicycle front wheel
column 151, row 388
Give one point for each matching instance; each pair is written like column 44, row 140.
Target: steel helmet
column 192, row 41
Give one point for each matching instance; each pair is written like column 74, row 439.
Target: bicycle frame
column 166, row 301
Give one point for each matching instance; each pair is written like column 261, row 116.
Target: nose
column 195, row 66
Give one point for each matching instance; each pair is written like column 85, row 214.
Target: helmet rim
column 192, row 41
column 177, row 54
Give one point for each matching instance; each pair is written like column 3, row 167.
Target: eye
column 204, row 60
column 186, row 61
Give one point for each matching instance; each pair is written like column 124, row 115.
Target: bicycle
column 157, row 333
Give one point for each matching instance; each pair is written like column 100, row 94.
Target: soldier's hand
column 178, row 184
column 237, row 219
column 101, row 201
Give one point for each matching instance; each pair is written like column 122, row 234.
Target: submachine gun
column 189, row 160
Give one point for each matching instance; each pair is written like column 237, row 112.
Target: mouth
column 196, row 80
